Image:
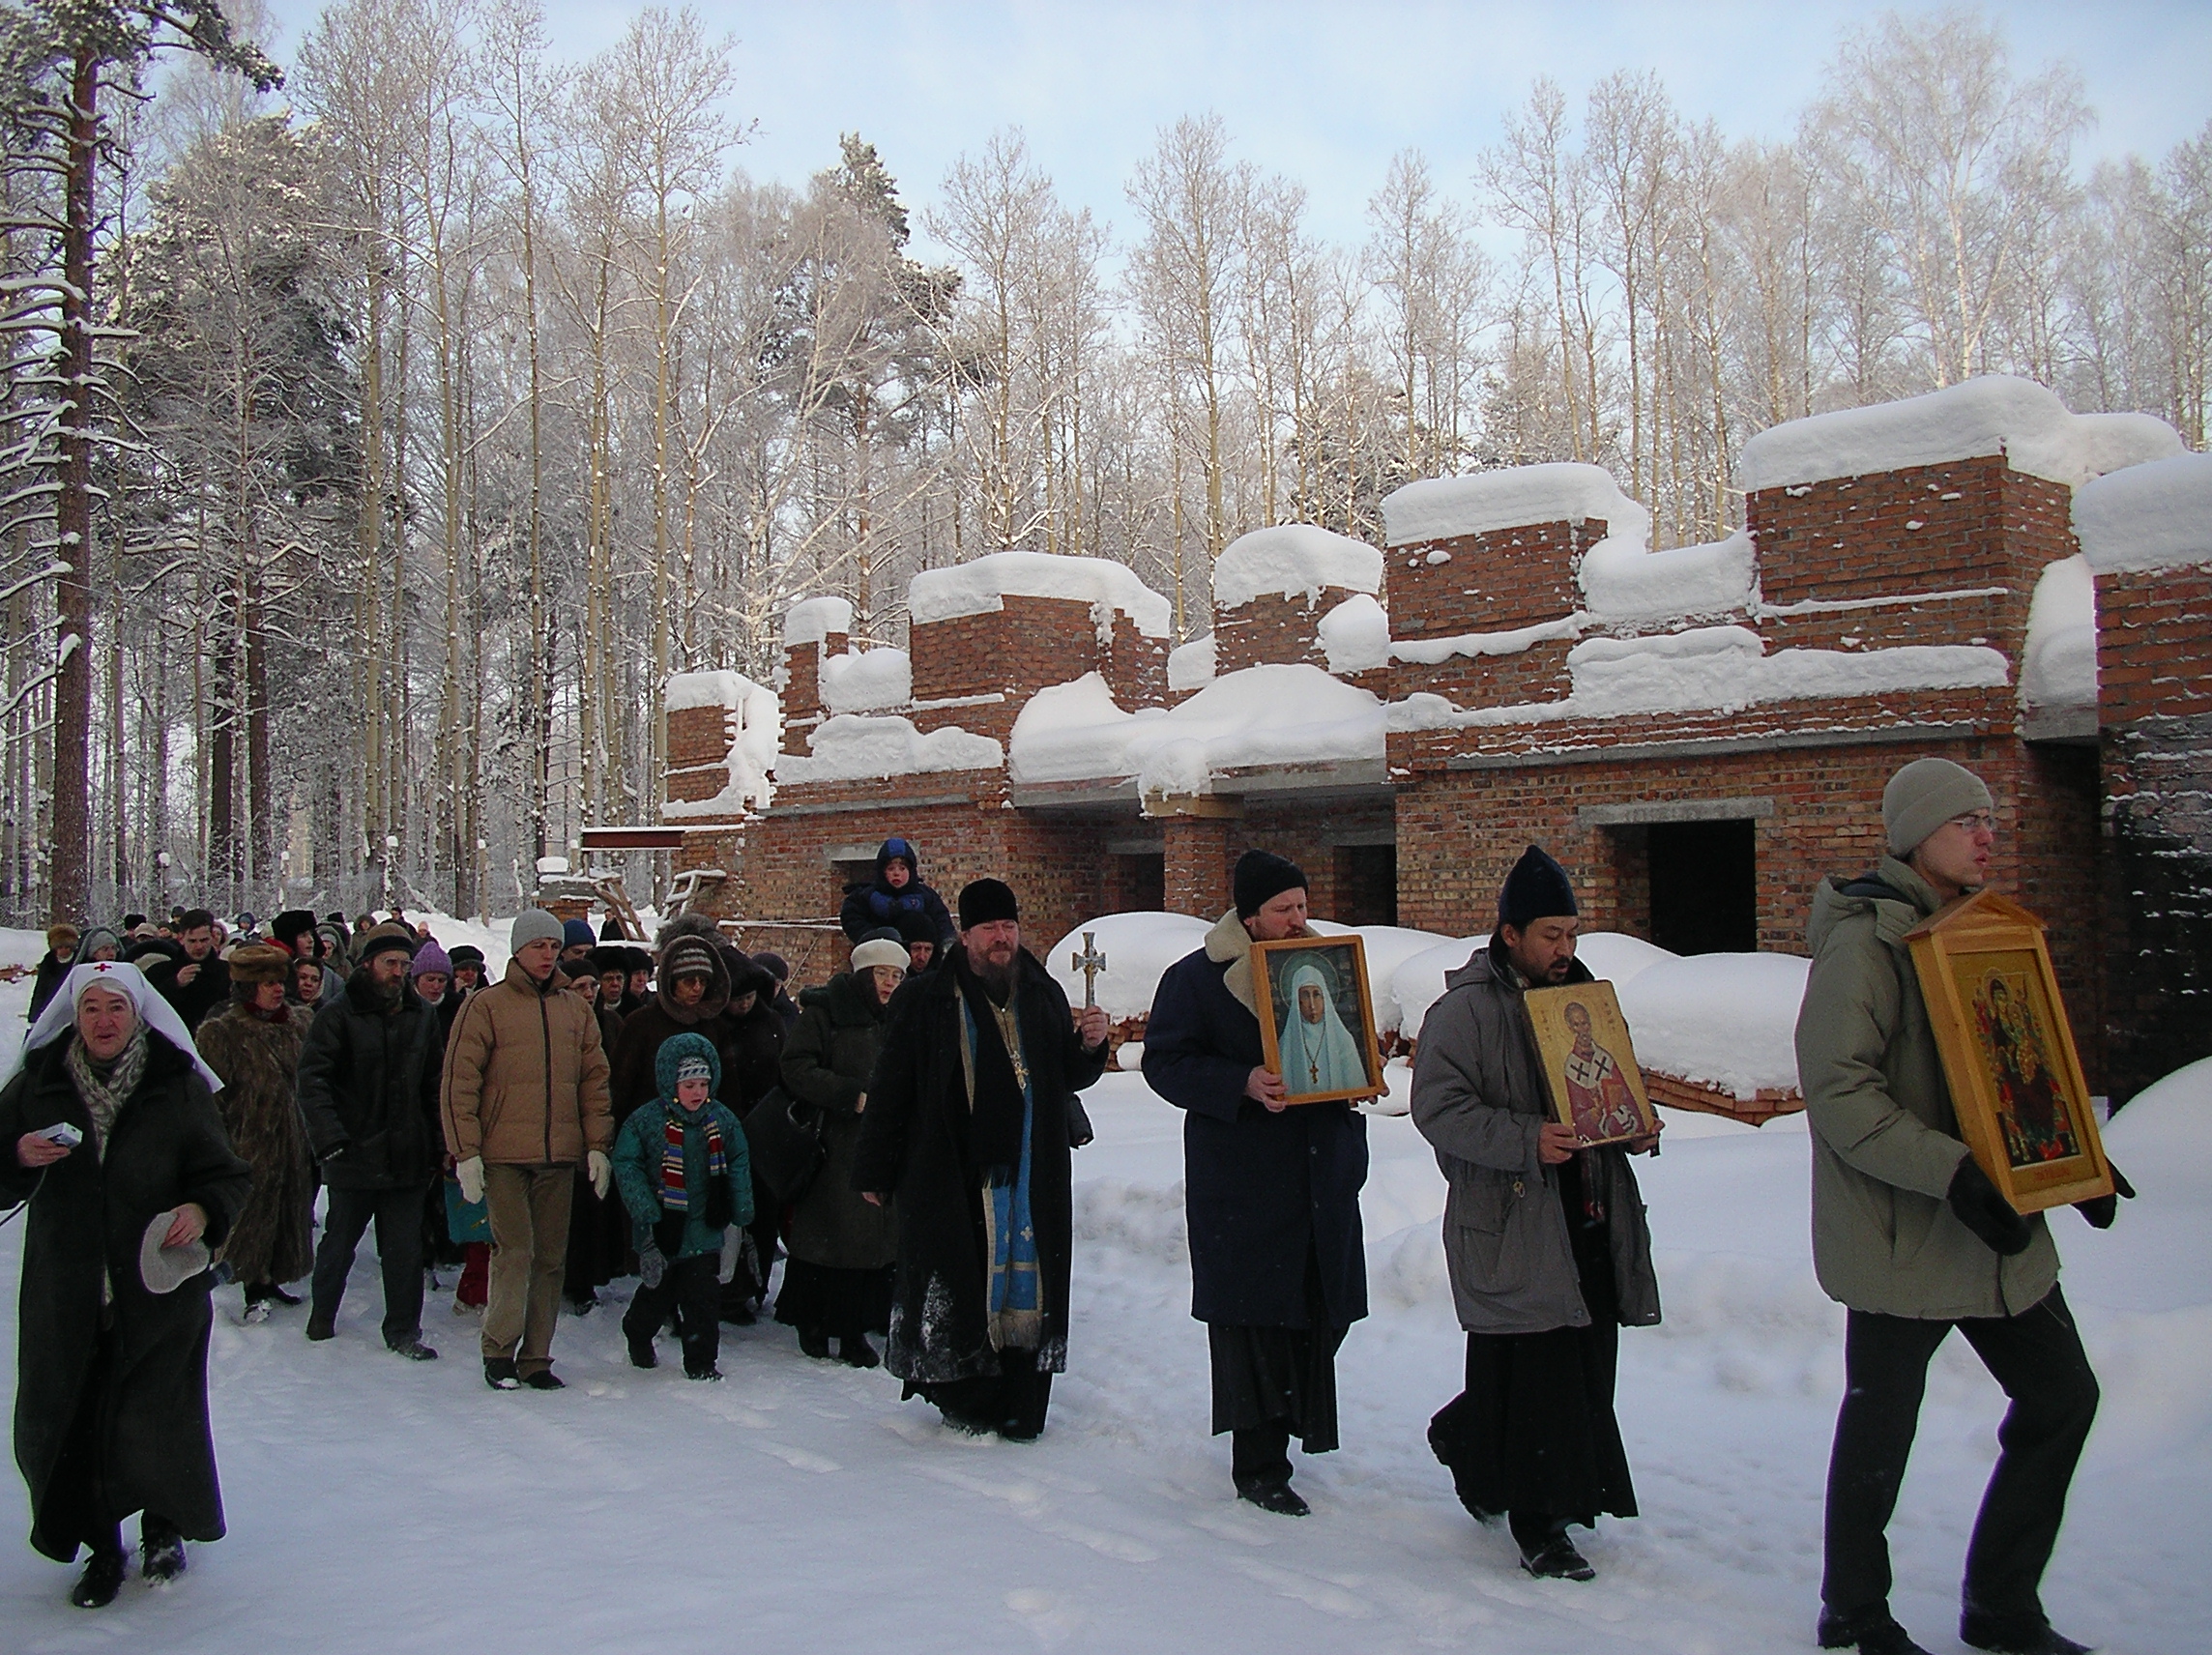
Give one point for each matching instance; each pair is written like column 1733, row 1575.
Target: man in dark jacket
column 1913, row 1238
column 369, row 1088
column 1545, row 1243
column 896, row 889
column 969, row 1122
column 195, row 982
column 1271, row 1195
column 62, row 940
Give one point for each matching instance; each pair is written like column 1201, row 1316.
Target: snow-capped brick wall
column 2147, row 535
column 722, row 733
column 1272, row 586
column 977, row 670
column 814, row 629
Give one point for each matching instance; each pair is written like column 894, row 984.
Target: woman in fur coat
column 254, row 1046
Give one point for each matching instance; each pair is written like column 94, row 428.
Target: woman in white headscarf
column 108, row 1128
column 1318, row 1053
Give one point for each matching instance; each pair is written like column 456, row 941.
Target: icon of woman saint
column 1318, row 1053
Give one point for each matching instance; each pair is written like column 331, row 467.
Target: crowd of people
column 901, row 1137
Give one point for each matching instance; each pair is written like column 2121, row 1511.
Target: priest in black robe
column 1271, row 1195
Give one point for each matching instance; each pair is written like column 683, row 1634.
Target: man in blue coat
column 1271, row 1195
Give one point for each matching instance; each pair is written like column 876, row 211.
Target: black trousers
column 397, row 1214
column 690, row 1290
column 1013, row 1401
column 2037, row 1357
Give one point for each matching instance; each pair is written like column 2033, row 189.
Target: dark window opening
column 844, row 874
column 1366, row 884
column 1141, row 881
column 1705, row 887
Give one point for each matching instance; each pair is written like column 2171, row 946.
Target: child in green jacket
column 687, row 1179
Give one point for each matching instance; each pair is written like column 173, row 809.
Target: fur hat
column 61, row 934
column 466, row 954
column 1923, row 795
column 985, row 901
column 258, row 963
column 1261, row 877
column 1537, row 889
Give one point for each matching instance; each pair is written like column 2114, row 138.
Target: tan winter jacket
column 526, row 1079
column 1885, row 1140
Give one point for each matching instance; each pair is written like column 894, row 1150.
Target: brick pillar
column 1197, row 853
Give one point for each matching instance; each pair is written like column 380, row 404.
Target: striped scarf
column 674, row 1196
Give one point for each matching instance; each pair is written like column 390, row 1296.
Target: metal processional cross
column 1091, row 961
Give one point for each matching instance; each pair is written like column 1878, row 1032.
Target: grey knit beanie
column 530, row 925
column 1923, row 795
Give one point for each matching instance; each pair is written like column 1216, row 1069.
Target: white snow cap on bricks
column 2148, row 516
column 1439, row 508
column 868, row 681
column 1260, row 716
column 981, row 586
column 1995, row 414
column 1622, row 581
column 812, row 620
column 1355, row 635
column 1294, row 560
column 851, row 747
column 1190, row 666
column 2058, row 667
column 754, row 720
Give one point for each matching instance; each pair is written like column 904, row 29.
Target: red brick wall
column 1538, row 673
column 801, row 692
column 1489, row 583
column 1273, row 630
column 698, row 752
column 2154, row 645
column 1029, row 645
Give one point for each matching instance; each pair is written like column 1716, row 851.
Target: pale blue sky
column 1326, row 94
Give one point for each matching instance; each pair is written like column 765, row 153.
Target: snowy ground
column 376, row 1505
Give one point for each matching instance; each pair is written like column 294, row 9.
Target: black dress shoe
column 815, row 1343
column 319, row 1330
column 280, row 1295
column 499, row 1373
column 545, row 1379
column 641, row 1353
column 1278, row 1498
column 856, row 1352
column 160, row 1552
column 102, row 1580
column 1873, row 1633
column 1556, row 1560
column 2002, row 1636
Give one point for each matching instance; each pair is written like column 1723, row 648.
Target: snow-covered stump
column 2147, row 534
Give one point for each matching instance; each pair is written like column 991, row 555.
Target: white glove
column 732, row 1247
column 470, row 1176
column 601, row 1171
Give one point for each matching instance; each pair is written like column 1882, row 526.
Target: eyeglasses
column 1974, row 821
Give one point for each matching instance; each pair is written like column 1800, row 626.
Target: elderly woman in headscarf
column 254, row 1046
column 109, row 1129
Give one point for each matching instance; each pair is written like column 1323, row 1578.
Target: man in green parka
column 1913, row 1237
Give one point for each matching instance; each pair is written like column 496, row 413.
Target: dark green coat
column 167, row 1148
column 825, row 1064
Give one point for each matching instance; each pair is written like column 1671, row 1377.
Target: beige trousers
column 528, row 1254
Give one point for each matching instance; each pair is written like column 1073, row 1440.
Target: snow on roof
column 2058, row 666
column 868, row 681
column 1717, row 669
column 812, row 620
column 1260, row 716
column 2148, row 516
column 1139, row 947
column 981, row 585
column 1435, row 651
column 1995, row 414
column 1622, row 581
column 753, row 718
column 1190, row 666
column 1355, row 635
column 1441, row 507
column 852, row 747
column 1729, row 1020
column 1294, row 560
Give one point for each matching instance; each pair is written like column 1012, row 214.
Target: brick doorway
column 1704, row 886
column 1366, row 884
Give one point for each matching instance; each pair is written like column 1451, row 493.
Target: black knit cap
column 1261, row 875
column 1537, row 889
column 985, row 900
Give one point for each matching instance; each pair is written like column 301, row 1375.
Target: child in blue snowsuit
column 687, row 1179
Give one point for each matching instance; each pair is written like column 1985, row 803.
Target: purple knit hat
column 429, row 958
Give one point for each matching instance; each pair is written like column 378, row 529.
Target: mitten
column 2101, row 1209
column 726, row 1271
column 651, row 1264
column 601, row 1171
column 469, row 1175
column 1982, row 1208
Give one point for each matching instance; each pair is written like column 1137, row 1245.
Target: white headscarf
column 1327, row 1048
column 123, row 978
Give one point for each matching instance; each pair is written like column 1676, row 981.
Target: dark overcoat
column 828, row 1064
column 914, row 1144
column 168, row 1147
column 208, row 992
column 368, row 1085
column 1262, row 1192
